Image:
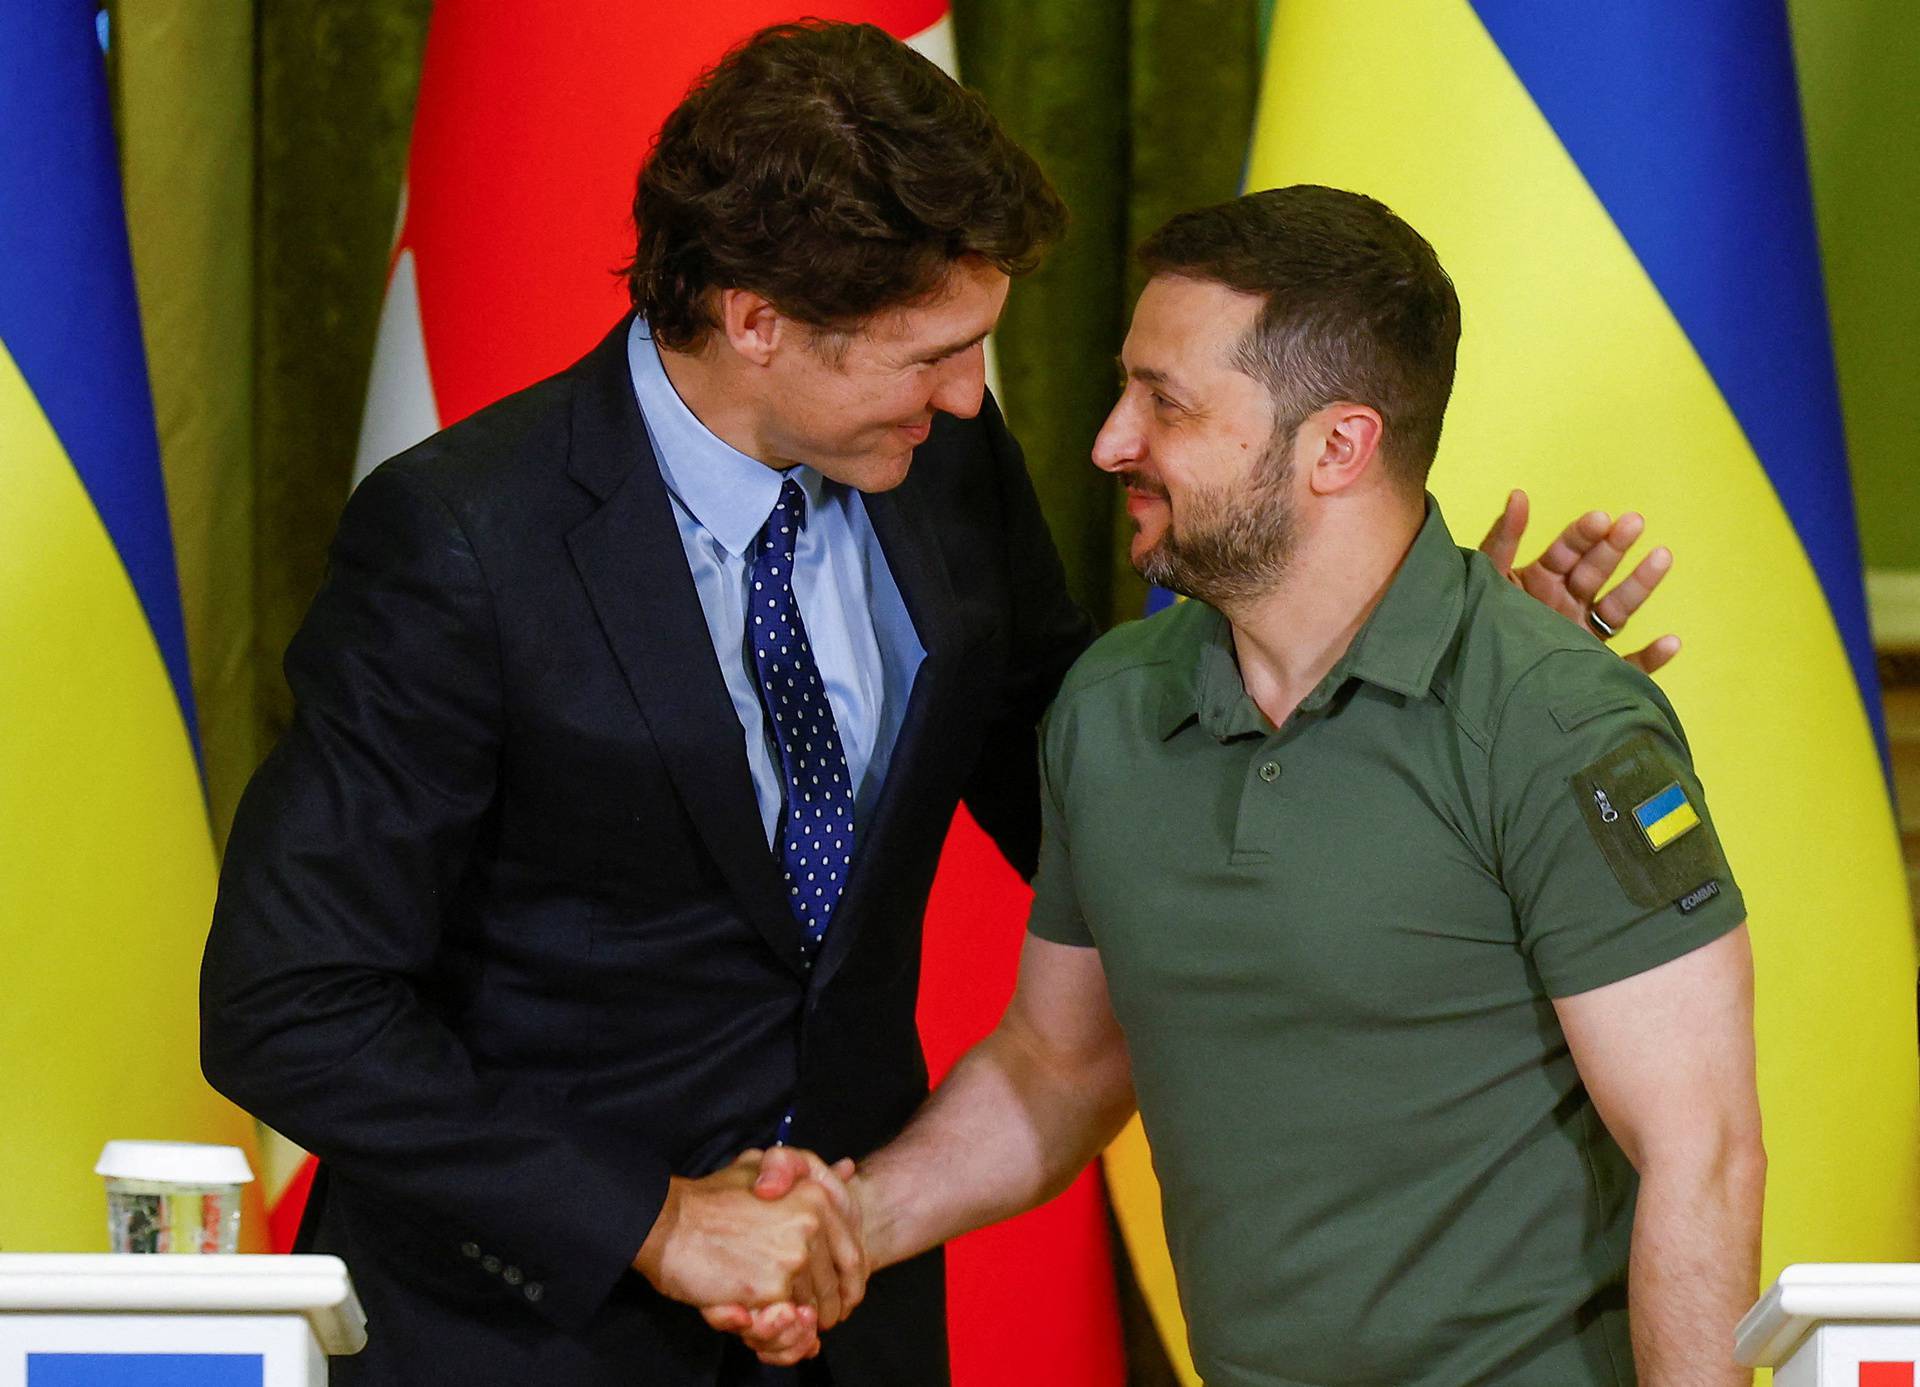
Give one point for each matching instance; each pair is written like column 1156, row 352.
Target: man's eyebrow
column 1146, row 374
column 938, row 353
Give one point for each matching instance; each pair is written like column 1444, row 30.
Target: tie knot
column 789, row 517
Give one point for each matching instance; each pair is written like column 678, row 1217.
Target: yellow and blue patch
column 1665, row 817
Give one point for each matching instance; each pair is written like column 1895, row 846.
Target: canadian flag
column 531, row 123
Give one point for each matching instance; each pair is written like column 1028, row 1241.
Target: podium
column 153, row 1320
column 1838, row 1324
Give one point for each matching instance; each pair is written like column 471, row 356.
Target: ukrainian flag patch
column 1666, row 817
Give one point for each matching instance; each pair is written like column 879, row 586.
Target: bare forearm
column 1009, row 1129
column 1695, row 1266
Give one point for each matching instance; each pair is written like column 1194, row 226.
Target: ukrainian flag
column 1620, row 193
column 106, row 861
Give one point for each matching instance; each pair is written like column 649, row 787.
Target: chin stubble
column 1233, row 544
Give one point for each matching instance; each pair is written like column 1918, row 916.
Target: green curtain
column 1136, row 110
column 182, row 76
column 1859, row 64
column 337, row 80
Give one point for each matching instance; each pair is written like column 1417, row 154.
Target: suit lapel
column 914, row 558
column 629, row 557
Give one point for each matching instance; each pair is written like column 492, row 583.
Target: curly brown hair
column 835, row 171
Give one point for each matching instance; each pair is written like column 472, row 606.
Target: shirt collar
column 1398, row 648
column 727, row 492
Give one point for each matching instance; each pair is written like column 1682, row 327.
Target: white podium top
column 1811, row 1292
column 142, row 1283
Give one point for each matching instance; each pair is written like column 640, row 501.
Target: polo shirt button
column 512, row 1276
column 469, row 1249
column 490, row 1264
column 1270, row 771
column 533, row 1290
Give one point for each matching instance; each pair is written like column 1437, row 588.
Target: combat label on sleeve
column 1636, row 804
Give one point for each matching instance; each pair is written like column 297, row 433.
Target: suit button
column 512, row 1276
column 490, row 1264
column 470, row 1249
column 533, row 1290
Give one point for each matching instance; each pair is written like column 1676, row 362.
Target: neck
column 708, row 386
column 1289, row 637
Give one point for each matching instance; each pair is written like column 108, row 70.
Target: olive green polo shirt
column 1333, row 946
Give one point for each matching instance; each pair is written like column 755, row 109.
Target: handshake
column 771, row 1248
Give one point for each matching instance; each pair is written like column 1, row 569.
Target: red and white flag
column 530, row 127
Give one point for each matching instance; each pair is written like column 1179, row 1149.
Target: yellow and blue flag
column 1666, row 816
column 106, row 859
column 1621, row 195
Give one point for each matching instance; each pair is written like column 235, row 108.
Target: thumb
column 728, row 1319
column 843, row 1168
column 780, row 1170
column 1503, row 539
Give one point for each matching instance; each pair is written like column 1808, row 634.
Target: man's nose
column 1119, row 443
column 961, row 383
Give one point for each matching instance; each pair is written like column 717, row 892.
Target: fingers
column 729, row 1319
column 837, row 1256
column 1634, row 589
column 781, row 1169
column 1575, row 542
column 847, row 1249
column 782, row 1335
column 1503, row 539
column 1595, row 566
column 824, row 1276
column 1655, row 655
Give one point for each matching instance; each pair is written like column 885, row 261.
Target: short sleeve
column 1605, row 844
column 1056, row 915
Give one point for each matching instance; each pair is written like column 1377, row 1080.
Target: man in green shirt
column 1391, row 897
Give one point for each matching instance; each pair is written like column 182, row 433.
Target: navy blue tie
column 816, row 830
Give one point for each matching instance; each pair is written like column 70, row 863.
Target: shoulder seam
column 406, row 479
column 1072, row 694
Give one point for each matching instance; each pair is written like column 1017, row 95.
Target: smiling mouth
column 917, row 432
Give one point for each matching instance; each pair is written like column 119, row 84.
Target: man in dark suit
column 630, row 720
column 508, row 929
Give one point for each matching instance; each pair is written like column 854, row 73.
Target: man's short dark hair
column 1356, row 307
column 835, row 171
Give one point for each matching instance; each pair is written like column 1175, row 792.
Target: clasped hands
column 770, row 1248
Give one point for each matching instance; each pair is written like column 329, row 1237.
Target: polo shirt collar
column 1398, row 648
column 727, row 492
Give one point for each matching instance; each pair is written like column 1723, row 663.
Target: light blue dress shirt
column 862, row 636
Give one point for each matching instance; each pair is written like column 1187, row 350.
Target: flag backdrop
column 106, row 882
column 530, row 127
column 1620, row 193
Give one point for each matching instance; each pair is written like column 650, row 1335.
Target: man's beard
column 1234, row 543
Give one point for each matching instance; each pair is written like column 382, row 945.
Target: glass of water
column 173, row 1196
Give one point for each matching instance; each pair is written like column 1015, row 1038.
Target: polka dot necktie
column 816, row 831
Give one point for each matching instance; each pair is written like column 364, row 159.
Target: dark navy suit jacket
column 499, row 935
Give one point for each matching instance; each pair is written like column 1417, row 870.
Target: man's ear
column 750, row 325
column 1348, row 438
